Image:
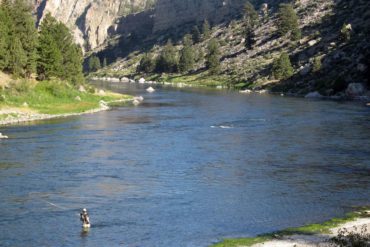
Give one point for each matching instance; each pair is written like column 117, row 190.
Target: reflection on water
column 185, row 168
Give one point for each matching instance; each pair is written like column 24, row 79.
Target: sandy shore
column 22, row 115
column 354, row 226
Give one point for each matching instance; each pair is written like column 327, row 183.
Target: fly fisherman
column 84, row 217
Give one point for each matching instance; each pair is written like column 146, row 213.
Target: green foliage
column 282, row 68
column 345, row 33
column 206, row 30
column 187, row 57
column 288, row 21
column 94, row 64
column 4, row 38
column 18, row 37
column 167, row 60
column 146, row 64
column 251, row 15
column 213, row 57
column 58, row 56
column 249, row 38
column 197, row 37
column 316, row 64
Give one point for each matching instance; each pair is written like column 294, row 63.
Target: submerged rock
column 150, row 90
column 314, row 95
column 355, row 90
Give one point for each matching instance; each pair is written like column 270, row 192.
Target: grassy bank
column 51, row 97
column 322, row 228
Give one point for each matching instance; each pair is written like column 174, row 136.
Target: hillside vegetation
column 299, row 47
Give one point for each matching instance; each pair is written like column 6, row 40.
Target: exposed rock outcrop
column 90, row 20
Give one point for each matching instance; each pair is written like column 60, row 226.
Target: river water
column 185, row 168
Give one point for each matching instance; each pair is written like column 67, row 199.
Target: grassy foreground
column 323, row 228
column 51, row 97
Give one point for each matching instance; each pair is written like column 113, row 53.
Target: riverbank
column 25, row 101
column 355, row 223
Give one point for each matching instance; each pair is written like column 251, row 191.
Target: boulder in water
column 3, row 136
column 141, row 80
column 150, row 90
column 246, row 91
column 314, row 95
column 355, row 90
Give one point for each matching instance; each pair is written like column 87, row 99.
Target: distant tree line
column 26, row 51
column 171, row 60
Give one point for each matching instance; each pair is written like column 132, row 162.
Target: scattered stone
column 263, row 91
column 25, row 104
column 142, row 80
column 150, row 90
column 3, row 136
column 312, row 42
column 78, row 98
column 125, row 80
column 82, row 89
column 314, row 95
column 132, row 81
column 355, row 90
column 304, row 70
column 101, row 92
column 139, row 98
column 246, row 91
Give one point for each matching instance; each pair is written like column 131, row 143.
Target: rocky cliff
column 90, row 20
column 174, row 13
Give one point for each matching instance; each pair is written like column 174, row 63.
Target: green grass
column 304, row 230
column 52, row 97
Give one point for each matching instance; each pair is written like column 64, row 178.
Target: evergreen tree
column 167, row 60
column 213, row 57
column 249, row 38
column 4, row 38
column 146, row 64
column 288, row 21
column 282, row 68
column 50, row 61
column 18, row 57
column 251, row 15
column 187, row 57
column 23, row 28
column 206, row 30
column 73, row 65
column 196, row 35
column 94, row 64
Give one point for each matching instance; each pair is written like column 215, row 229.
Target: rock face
column 90, row 20
column 174, row 13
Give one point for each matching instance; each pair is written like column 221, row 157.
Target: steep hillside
column 90, row 20
column 321, row 60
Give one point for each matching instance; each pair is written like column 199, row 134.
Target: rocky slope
column 89, row 20
column 341, row 63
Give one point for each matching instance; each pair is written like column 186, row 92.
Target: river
column 185, row 168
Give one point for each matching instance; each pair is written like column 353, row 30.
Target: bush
column 351, row 239
column 282, row 68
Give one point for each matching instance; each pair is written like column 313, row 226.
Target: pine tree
column 187, row 57
column 213, row 57
column 288, row 21
column 18, row 57
column 23, row 28
column 146, row 64
column 282, row 68
column 206, row 30
column 196, row 35
column 4, row 38
column 251, row 15
column 167, row 61
column 73, row 65
column 94, row 63
column 249, row 38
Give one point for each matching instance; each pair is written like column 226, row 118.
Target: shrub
column 282, row 68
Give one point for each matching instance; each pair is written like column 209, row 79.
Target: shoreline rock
column 3, row 136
